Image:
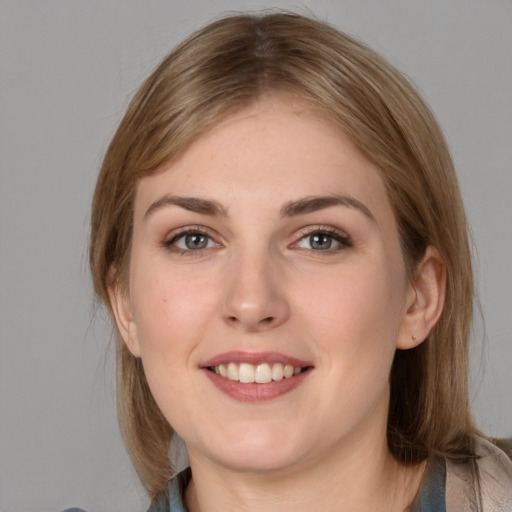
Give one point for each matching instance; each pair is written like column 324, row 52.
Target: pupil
column 196, row 241
column 320, row 241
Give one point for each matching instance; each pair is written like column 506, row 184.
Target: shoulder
column 495, row 470
column 484, row 483
column 173, row 499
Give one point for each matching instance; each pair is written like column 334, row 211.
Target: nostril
column 234, row 319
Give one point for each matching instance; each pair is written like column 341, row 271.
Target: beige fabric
column 495, row 493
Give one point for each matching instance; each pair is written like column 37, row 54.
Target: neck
column 357, row 482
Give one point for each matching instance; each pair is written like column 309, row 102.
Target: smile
column 255, row 377
column 262, row 373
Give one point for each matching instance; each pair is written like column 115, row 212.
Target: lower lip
column 254, row 392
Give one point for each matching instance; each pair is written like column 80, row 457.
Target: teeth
column 233, row 372
column 246, row 373
column 277, row 371
column 223, row 370
column 261, row 373
column 288, row 371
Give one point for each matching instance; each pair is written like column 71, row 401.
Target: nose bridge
column 256, row 295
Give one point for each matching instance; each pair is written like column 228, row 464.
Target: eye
column 324, row 240
column 192, row 240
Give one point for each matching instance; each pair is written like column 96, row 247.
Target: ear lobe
column 121, row 307
column 425, row 300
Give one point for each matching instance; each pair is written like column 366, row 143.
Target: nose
column 256, row 298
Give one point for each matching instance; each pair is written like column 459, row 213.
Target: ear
column 424, row 301
column 121, row 307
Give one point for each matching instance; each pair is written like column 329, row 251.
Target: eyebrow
column 192, row 204
column 301, row 206
column 315, row 203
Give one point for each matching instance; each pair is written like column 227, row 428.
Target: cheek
column 172, row 315
column 171, row 310
column 355, row 319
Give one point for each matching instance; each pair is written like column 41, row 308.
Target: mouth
column 252, row 377
column 261, row 373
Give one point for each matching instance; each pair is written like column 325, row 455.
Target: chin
column 256, row 451
column 263, row 461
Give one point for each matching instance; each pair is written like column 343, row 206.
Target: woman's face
column 268, row 248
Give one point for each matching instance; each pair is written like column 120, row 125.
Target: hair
column 226, row 66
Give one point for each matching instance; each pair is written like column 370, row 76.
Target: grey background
column 67, row 70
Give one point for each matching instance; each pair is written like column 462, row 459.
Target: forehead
column 279, row 144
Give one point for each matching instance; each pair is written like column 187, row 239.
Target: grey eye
column 191, row 241
column 320, row 241
column 196, row 241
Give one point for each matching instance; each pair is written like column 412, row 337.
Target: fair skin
column 279, row 249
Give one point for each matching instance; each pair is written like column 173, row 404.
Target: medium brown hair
column 224, row 67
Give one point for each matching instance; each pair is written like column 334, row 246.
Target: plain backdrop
column 67, row 71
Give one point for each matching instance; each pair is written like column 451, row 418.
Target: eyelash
column 169, row 244
column 338, row 236
column 341, row 238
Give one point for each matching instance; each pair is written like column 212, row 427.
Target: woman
column 278, row 234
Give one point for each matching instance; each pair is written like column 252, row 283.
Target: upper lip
column 254, row 358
